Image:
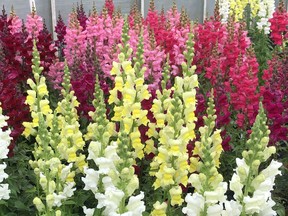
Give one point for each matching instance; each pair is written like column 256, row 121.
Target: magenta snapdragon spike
column 81, row 16
column 60, row 30
column 109, row 5
column 275, row 97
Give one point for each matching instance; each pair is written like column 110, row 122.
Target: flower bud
column 50, row 200
column 43, row 182
column 58, row 213
column 39, row 204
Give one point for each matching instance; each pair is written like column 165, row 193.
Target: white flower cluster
column 4, row 143
column 266, row 10
column 252, row 187
column 110, row 197
column 260, row 202
column 224, row 10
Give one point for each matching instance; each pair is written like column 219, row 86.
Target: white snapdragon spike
column 261, row 198
column 266, row 10
column 5, row 140
column 260, row 202
column 224, row 7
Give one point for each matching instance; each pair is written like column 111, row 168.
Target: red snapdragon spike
column 109, row 5
column 279, row 23
column 16, row 42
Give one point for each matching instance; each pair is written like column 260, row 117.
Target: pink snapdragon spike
column 75, row 40
column 279, row 23
column 16, row 23
column 34, row 25
column 154, row 59
column 55, row 75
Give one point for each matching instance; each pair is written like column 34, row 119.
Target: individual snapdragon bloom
column 195, row 204
column 159, row 209
column 88, row 211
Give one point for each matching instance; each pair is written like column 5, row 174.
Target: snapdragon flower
column 175, row 119
column 114, row 181
column 266, row 10
column 252, row 189
column 55, row 176
column 209, row 187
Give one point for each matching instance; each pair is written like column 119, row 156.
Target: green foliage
column 22, row 183
column 263, row 50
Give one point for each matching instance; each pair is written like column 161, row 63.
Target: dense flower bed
column 154, row 116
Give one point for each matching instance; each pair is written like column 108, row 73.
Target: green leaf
column 280, row 209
